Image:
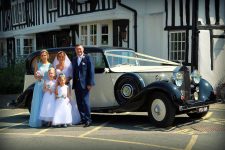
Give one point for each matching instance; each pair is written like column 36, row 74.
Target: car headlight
column 178, row 78
column 195, row 77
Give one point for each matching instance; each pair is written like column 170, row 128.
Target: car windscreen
column 121, row 57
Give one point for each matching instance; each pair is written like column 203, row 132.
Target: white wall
column 218, row 73
column 151, row 37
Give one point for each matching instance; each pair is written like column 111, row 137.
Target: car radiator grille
column 186, row 86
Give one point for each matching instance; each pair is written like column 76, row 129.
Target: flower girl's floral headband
column 62, row 75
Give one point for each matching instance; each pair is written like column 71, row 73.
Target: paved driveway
column 115, row 131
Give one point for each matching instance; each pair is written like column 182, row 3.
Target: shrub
column 12, row 79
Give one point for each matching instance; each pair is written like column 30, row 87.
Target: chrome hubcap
column 127, row 91
column 158, row 109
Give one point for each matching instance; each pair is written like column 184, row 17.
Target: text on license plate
column 202, row 109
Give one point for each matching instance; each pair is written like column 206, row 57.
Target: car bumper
column 191, row 105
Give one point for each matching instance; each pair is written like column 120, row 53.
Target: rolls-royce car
column 135, row 82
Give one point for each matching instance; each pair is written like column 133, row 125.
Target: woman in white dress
column 63, row 107
column 48, row 101
column 62, row 64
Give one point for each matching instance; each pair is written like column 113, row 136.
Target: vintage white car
column 130, row 81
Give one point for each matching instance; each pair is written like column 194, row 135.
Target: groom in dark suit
column 83, row 80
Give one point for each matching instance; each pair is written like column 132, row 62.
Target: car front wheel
column 161, row 111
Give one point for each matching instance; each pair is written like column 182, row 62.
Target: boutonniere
column 83, row 63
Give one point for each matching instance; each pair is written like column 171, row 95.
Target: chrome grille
column 186, row 86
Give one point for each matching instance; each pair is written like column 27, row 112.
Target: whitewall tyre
column 161, row 111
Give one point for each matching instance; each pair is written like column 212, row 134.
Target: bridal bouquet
column 39, row 75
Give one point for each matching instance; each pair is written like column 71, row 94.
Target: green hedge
column 12, row 79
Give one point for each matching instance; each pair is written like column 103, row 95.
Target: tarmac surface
column 127, row 131
column 5, row 99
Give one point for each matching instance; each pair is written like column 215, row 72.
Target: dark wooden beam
column 181, row 12
column 178, row 28
column 207, row 18
column 208, row 27
column 219, row 36
column 47, row 12
column 42, row 10
column 195, row 35
column 187, row 46
column 166, row 10
column 187, row 10
column 66, row 8
column 173, row 12
column 211, row 48
column 217, row 11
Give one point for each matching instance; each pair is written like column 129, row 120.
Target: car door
column 102, row 94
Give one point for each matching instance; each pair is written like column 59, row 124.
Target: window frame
column 28, row 46
column 18, row 12
column 177, row 46
column 52, row 5
column 86, row 39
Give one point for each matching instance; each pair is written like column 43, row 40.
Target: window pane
column 179, row 37
column 105, row 29
column 183, row 46
column 172, row 37
column 175, row 56
column 183, row 55
column 183, row 36
column 54, row 3
column 18, row 46
column 83, row 30
column 177, row 45
column 27, row 50
column 104, row 40
column 179, row 56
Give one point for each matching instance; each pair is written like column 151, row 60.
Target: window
column 177, row 46
column 117, row 61
column 28, row 46
column 98, row 60
column 52, row 4
column 84, row 35
column 17, row 46
column 105, row 34
column 95, row 34
column 18, row 11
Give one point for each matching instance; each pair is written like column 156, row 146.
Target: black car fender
column 168, row 88
column 206, row 92
column 24, row 99
column 130, row 81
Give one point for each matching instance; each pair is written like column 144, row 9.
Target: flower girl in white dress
column 48, row 102
column 63, row 108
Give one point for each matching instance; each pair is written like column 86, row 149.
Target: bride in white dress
column 62, row 64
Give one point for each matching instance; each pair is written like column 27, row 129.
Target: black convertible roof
column 68, row 50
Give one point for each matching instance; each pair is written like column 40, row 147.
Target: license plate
column 203, row 109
